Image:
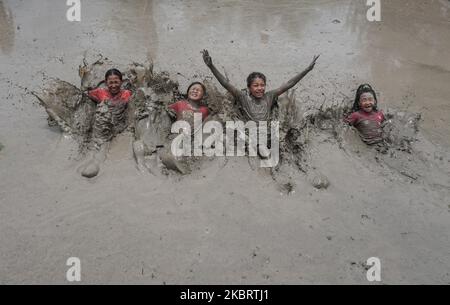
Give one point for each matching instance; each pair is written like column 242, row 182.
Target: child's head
column 113, row 80
column 196, row 91
column 256, row 84
column 366, row 99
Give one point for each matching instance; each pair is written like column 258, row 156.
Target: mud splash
column 308, row 120
column 303, row 120
column 94, row 126
column 70, row 109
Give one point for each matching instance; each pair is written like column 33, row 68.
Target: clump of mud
column 69, row 108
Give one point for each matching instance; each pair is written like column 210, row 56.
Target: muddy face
column 196, row 93
column 258, row 88
column 367, row 102
column 114, row 83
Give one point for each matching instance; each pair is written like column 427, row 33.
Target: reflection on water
column 7, row 28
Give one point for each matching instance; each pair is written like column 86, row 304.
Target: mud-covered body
column 148, row 117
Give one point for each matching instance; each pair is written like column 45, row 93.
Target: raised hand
column 313, row 63
column 292, row 82
column 206, row 58
column 222, row 79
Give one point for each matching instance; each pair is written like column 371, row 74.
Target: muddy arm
column 292, row 82
column 220, row 77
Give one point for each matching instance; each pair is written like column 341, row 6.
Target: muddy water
column 409, row 62
column 48, row 213
column 405, row 56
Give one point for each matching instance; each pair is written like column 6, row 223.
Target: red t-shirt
column 101, row 95
column 356, row 117
column 368, row 125
column 185, row 111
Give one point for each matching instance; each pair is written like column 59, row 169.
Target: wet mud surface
column 332, row 202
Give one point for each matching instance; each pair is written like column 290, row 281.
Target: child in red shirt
column 110, row 118
column 366, row 118
column 185, row 109
column 113, row 91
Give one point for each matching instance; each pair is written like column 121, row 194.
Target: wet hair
column 112, row 72
column 196, row 83
column 364, row 88
column 254, row 75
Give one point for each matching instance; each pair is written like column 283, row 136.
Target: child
column 181, row 110
column 254, row 102
column 110, row 118
column 185, row 109
column 366, row 117
column 113, row 91
column 112, row 102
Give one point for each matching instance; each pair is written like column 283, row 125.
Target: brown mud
column 148, row 119
column 215, row 226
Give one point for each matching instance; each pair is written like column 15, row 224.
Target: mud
column 301, row 121
column 70, row 109
column 213, row 226
column 149, row 120
column 93, row 126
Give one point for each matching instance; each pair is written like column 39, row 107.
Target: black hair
column 364, row 88
column 196, row 83
column 112, row 72
column 253, row 76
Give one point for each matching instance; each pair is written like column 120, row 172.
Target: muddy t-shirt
column 101, row 95
column 111, row 113
column 256, row 109
column 185, row 111
column 368, row 125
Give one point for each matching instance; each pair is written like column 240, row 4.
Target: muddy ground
column 228, row 223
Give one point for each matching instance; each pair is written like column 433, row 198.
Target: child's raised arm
column 222, row 79
column 292, row 82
